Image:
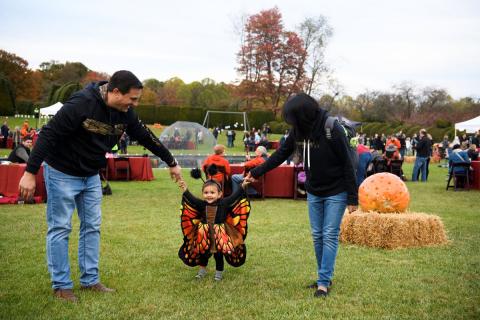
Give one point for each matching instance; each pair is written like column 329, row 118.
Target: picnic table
column 140, row 168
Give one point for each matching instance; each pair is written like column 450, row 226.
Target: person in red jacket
column 237, row 179
column 393, row 140
column 25, row 128
column 218, row 158
column 391, row 153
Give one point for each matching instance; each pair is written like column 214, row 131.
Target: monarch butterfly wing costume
column 235, row 227
column 196, row 240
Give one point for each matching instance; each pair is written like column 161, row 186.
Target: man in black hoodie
column 73, row 145
column 330, row 184
column 423, row 148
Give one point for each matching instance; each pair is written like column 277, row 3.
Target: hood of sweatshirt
column 94, row 90
column 305, row 116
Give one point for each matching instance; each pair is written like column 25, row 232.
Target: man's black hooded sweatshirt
column 77, row 138
column 327, row 162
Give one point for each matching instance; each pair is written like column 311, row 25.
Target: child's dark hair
column 212, row 182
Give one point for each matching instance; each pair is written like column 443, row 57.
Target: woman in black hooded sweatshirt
column 330, row 183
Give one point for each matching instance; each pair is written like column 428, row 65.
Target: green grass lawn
column 141, row 237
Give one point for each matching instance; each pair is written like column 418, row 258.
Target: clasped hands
column 176, row 173
column 249, row 178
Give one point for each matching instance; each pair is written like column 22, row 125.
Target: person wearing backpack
column 330, row 182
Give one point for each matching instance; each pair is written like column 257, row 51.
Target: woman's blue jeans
column 64, row 194
column 326, row 214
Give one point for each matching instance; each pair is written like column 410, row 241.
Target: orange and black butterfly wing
column 237, row 215
column 196, row 240
column 238, row 256
column 223, row 241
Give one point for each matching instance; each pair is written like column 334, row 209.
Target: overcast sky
column 376, row 44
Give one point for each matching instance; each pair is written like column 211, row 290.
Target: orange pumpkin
column 383, row 192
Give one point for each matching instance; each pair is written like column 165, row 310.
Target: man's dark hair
column 124, row 80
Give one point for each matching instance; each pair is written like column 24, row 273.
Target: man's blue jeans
column 229, row 141
column 420, row 164
column 64, row 193
column 326, row 214
column 237, row 180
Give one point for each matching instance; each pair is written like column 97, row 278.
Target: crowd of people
column 256, row 137
column 251, row 139
column 382, row 150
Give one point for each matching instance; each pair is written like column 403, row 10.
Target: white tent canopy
column 51, row 110
column 469, row 126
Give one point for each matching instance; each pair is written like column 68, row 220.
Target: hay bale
column 409, row 159
column 392, row 231
column 435, row 158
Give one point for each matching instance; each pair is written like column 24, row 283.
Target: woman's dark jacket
column 328, row 167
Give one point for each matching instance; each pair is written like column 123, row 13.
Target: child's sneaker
column 201, row 274
column 218, row 275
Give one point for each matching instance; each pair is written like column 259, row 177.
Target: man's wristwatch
column 172, row 164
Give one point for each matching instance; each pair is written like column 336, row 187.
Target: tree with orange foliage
column 26, row 84
column 271, row 60
column 94, row 76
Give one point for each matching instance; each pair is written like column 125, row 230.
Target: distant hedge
column 278, row 126
column 64, row 92
column 25, row 107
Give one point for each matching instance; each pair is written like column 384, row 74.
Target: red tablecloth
column 274, row 145
column 9, row 142
column 278, row 182
column 236, row 168
column 140, row 168
column 476, row 174
column 10, row 176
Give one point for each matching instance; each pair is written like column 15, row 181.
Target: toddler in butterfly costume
column 214, row 225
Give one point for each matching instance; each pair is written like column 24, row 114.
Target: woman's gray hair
column 263, row 150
